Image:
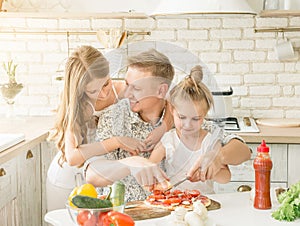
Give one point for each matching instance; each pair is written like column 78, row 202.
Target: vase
column 9, row 92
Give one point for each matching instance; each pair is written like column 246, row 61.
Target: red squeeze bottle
column 262, row 165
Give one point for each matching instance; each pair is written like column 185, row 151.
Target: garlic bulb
column 177, row 217
column 193, row 219
column 200, row 209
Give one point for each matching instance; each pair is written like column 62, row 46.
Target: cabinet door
column 245, row 171
column 48, row 151
column 29, row 187
column 243, row 174
column 294, row 166
column 8, row 193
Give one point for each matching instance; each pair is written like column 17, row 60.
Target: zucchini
column 82, row 201
column 117, row 194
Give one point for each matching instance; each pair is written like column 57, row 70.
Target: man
column 148, row 78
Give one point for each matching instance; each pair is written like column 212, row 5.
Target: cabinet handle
column 243, row 188
column 2, row 172
column 29, row 154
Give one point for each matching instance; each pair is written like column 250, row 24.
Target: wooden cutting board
column 143, row 211
column 283, row 122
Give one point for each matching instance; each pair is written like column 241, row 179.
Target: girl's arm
column 167, row 124
column 77, row 155
column 158, row 154
column 223, row 176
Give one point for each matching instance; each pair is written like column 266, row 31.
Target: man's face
column 142, row 89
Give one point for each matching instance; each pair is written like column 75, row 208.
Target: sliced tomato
column 194, row 193
column 159, row 197
column 177, row 192
column 175, row 200
column 167, row 202
column 157, row 192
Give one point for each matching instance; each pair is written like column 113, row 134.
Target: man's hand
column 146, row 173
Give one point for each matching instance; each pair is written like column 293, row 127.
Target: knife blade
column 176, row 184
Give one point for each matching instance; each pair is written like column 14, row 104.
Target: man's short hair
column 155, row 62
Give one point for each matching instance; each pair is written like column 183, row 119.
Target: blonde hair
column 192, row 88
column 85, row 64
column 155, row 62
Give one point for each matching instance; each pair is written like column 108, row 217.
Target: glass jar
column 271, row 4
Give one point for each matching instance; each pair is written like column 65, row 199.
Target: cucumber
column 117, row 194
column 82, row 201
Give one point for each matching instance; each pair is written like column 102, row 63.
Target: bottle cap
column 263, row 147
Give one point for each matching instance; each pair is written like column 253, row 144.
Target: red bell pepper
column 114, row 218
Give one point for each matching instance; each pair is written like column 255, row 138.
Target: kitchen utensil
column 284, row 49
column 114, row 38
column 176, row 184
column 247, row 121
column 222, row 104
column 102, row 38
column 122, row 39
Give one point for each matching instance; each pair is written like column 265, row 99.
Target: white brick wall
column 227, row 44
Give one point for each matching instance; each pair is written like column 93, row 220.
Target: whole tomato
column 85, row 218
column 82, row 217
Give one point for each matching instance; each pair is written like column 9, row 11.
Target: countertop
column 36, row 130
column 231, row 204
column 286, row 135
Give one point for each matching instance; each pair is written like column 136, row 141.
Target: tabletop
column 236, row 209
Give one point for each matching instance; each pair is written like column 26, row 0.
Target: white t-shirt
column 179, row 159
column 64, row 176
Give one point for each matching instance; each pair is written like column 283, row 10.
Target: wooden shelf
column 279, row 13
column 43, row 15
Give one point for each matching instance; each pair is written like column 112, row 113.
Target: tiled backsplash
column 227, row 44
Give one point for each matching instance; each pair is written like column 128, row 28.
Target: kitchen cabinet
column 48, row 151
column 285, row 159
column 22, row 194
column 29, row 187
column 8, row 193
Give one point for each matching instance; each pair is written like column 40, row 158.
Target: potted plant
column 12, row 88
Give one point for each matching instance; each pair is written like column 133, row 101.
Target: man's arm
column 102, row 172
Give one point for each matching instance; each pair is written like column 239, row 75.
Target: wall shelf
column 47, row 15
column 279, row 13
column 281, row 29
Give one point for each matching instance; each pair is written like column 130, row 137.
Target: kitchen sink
column 8, row 140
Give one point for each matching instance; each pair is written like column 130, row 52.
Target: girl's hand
column 132, row 145
column 197, row 173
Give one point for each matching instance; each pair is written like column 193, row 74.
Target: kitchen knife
column 176, row 184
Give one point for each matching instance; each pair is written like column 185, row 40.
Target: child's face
column 188, row 116
column 94, row 87
column 142, row 89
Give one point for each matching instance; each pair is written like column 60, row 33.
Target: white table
column 236, row 210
